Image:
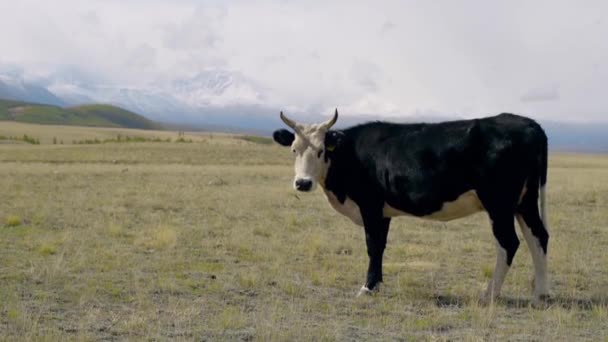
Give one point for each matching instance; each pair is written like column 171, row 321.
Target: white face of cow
column 310, row 166
column 308, row 147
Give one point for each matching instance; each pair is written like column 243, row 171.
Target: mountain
column 217, row 88
column 87, row 115
column 216, row 98
column 224, row 100
column 19, row 90
column 152, row 103
column 577, row 137
column 185, row 100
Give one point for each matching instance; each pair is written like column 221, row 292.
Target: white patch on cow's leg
column 500, row 271
column 364, row 291
column 540, row 281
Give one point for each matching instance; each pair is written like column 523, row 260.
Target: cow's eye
column 294, row 150
column 320, row 153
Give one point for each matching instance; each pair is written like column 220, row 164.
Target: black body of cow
column 416, row 168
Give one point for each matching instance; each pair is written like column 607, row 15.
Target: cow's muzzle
column 303, row 184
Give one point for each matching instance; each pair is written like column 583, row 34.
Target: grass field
column 207, row 241
column 94, row 115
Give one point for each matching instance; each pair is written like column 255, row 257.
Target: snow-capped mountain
column 147, row 101
column 15, row 88
column 217, row 88
column 185, row 99
column 222, row 99
column 215, row 97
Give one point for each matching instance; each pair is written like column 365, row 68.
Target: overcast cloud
column 546, row 59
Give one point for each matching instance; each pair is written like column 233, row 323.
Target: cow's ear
column 283, row 137
column 333, row 140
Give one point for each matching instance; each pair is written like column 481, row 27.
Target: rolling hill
column 96, row 115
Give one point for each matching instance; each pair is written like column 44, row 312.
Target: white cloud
column 201, row 31
column 388, row 57
column 142, row 57
column 367, row 75
column 541, row 94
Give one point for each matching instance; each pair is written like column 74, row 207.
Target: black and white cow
column 439, row 171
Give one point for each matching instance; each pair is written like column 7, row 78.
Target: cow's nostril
column 303, row 184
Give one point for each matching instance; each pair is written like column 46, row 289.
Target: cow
column 442, row 171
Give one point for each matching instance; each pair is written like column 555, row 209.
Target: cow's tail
column 543, row 166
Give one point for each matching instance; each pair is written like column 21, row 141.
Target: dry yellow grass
column 207, row 241
column 67, row 134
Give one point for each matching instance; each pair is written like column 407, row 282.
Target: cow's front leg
column 376, row 232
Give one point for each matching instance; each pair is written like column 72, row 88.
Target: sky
column 545, row 59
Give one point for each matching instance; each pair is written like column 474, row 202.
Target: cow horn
column 288, row 121
column 327, row 124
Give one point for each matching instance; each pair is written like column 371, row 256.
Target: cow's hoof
column 541, row 301
column 364, row 291
column 487, row 299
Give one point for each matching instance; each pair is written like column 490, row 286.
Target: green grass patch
column 47, row 249
column 96, row 115
column 13, row 221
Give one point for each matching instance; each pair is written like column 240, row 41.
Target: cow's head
column 310, row 145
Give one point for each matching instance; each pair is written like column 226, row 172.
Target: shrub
column 13, row 221
column 47, row 249
column 30, row 140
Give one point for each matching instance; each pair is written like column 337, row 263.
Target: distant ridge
column 97, row 115
column 19, row 90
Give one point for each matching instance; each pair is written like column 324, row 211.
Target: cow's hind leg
column 537, row 238
column 503, row 227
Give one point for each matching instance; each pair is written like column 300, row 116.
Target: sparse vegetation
column 116, row 230
column 94, row 135
column 47, row 249
column 181, row 138
column 206, row 241
column 30, row 140
column 13, row 221
column 160, row 238
column 121, row 139
column 24, row 138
